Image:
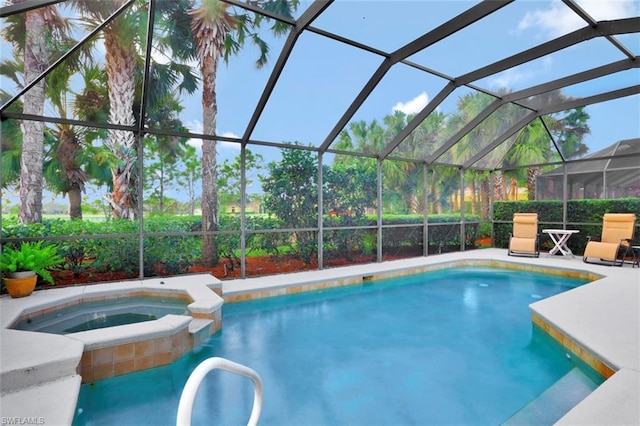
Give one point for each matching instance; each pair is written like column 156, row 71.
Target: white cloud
column 160, row 57
column 231, row 145
column 557, row 19
column 513, row 76
column 508, row 78
column 195, row 126
column 165, row 57
column 413, row 106
column 553, row 21
column 601, row 10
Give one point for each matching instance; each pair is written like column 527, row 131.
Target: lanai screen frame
column 607, row 30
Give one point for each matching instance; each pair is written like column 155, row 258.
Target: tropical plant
column 125, row 41
column 11, row 142
column 31, row 256
column 230, row 176
column 188, row 175
column 220, row 32
column 121, row 39
column 291, row 194
column 349, row 189
column 63, row 168
column 36, row 36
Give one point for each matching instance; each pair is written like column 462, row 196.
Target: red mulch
column 483, row 242
column 255, row 266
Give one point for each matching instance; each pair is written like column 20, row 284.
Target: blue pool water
column 449, row 347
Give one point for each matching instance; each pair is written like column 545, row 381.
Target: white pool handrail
column 185, row 405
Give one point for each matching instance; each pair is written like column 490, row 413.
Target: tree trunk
column 36, row 60
column 484, row 197
column 209, row 162
column 414, row 204
column 192, row 197
column 75, row 204
column 498, row 186
column 71, row 176
column 513, row 189
column 472, row 189
column 532, row 177
column 121, row 62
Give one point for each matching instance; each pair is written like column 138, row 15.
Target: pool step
column 197, row 325
column 53, row 402
column 23, row 364
column 38, row 379
column 556, row 401
column 201, row 330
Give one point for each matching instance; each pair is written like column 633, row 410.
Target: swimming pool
column 449, row 346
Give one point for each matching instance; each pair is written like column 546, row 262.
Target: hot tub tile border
column 122, row 349
column 99, row 363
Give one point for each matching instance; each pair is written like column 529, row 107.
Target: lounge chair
column 524, row 241
column 614, row 244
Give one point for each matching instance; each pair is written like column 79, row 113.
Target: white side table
column 560, row 238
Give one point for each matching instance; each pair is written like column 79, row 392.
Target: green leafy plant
column 31, row 256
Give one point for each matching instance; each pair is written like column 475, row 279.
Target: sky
column 322, row 77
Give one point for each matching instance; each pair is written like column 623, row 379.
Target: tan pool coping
column 603, row 317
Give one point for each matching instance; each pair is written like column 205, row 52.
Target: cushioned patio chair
column 615, row 242
column 524, row 240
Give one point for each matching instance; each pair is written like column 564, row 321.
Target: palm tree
column 123, row 45
column 59, row 170
column 64, row 159
column 420, row 144
column 219, row 32
column 532, row 146
column 468, row 107
column 121, row 39
column 62, row 169
column 533, row 143
column 11, row 145
column 32, row 34
column 571, row 130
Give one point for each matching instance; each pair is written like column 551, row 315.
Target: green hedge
column 443, row 231
column 175, row 253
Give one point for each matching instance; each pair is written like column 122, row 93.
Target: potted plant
column 22, row 266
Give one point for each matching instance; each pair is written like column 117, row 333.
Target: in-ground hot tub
column 128, row 326
column 86, row 316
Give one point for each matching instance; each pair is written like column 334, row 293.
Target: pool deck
column 39, row 379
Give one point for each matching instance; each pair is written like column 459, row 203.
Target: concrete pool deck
column 40, row 378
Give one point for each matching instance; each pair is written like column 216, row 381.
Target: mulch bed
column 255, row 266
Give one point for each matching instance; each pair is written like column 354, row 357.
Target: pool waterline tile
column 574, row 347
column 315, row 284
